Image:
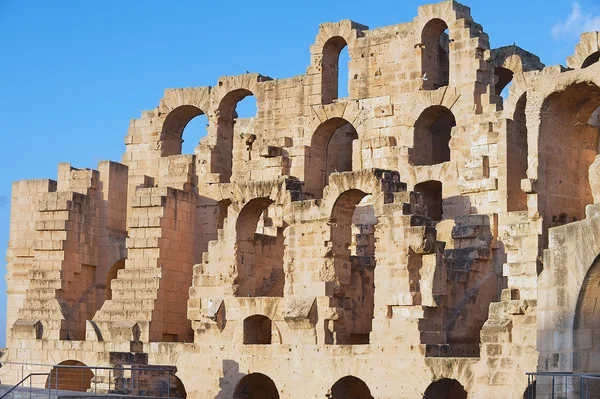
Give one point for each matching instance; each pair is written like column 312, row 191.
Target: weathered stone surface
column 426, row 236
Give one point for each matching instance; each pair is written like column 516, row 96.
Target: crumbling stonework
column 423, row 237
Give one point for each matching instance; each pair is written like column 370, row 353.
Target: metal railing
column 147, row 381
column 554, row 385
column 30, row 386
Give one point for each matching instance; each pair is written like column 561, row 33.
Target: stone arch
column 353, row 280
column 432, row 133
column 567, row 146
column 435, row 54
column 259, row 256
column 256, row 386
column 70, row 375
column 226, row 150
column 331, row 151
column 112, row 275
column 516, row 157
column 330, row 41
column 378, row 183
column 350, row 387
column 504, row 77
column 176, row 109
column 509, row 65
column 223, row 153
column 330, row 69
column 587, row 51
column 445, row 388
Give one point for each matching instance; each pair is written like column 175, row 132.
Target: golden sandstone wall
column 423, row 237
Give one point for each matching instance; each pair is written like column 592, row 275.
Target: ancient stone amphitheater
column 424, row 237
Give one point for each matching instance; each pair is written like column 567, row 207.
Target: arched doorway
column 173, row 129
column 256, row 386
column 435, row 55
column 350, row 387
column 260, row 251
column 77, row 378
column 432, row 134
column 330, row 151
column 567, row 146
column 353, row 224
column 445, row 388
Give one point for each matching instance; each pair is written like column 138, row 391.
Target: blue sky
column 73, row 73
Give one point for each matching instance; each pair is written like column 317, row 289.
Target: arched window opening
column 353, row 224
column 259, row 252
column 592, row 59
column 432, row 135
column 76, row 378
column 256, row 386
column 432, row 196
column 257, row 330
column 502, row 79
column 235, row 120
column 195, row 130
column 186, row 117
column 39, row 330
column 568, row 144
column 350, row 387
column 112, row 275
column 330, row 151
column 445, row 388
column 435, row 55
column 331, row 77
column 516, row 158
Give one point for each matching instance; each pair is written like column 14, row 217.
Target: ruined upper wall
column 438, row 60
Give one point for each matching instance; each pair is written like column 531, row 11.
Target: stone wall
column 387, row 244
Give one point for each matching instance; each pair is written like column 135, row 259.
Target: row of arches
column 331, row 145
column 73, row 375
column 259, row 386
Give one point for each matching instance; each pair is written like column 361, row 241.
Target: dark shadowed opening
column 432, row 196
column 592, row 59
column 432, row 135
column 256, row 386
column 445, row 388
column 257, row 330
column 350, row 387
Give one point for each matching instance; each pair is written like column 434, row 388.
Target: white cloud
column 579, row 21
